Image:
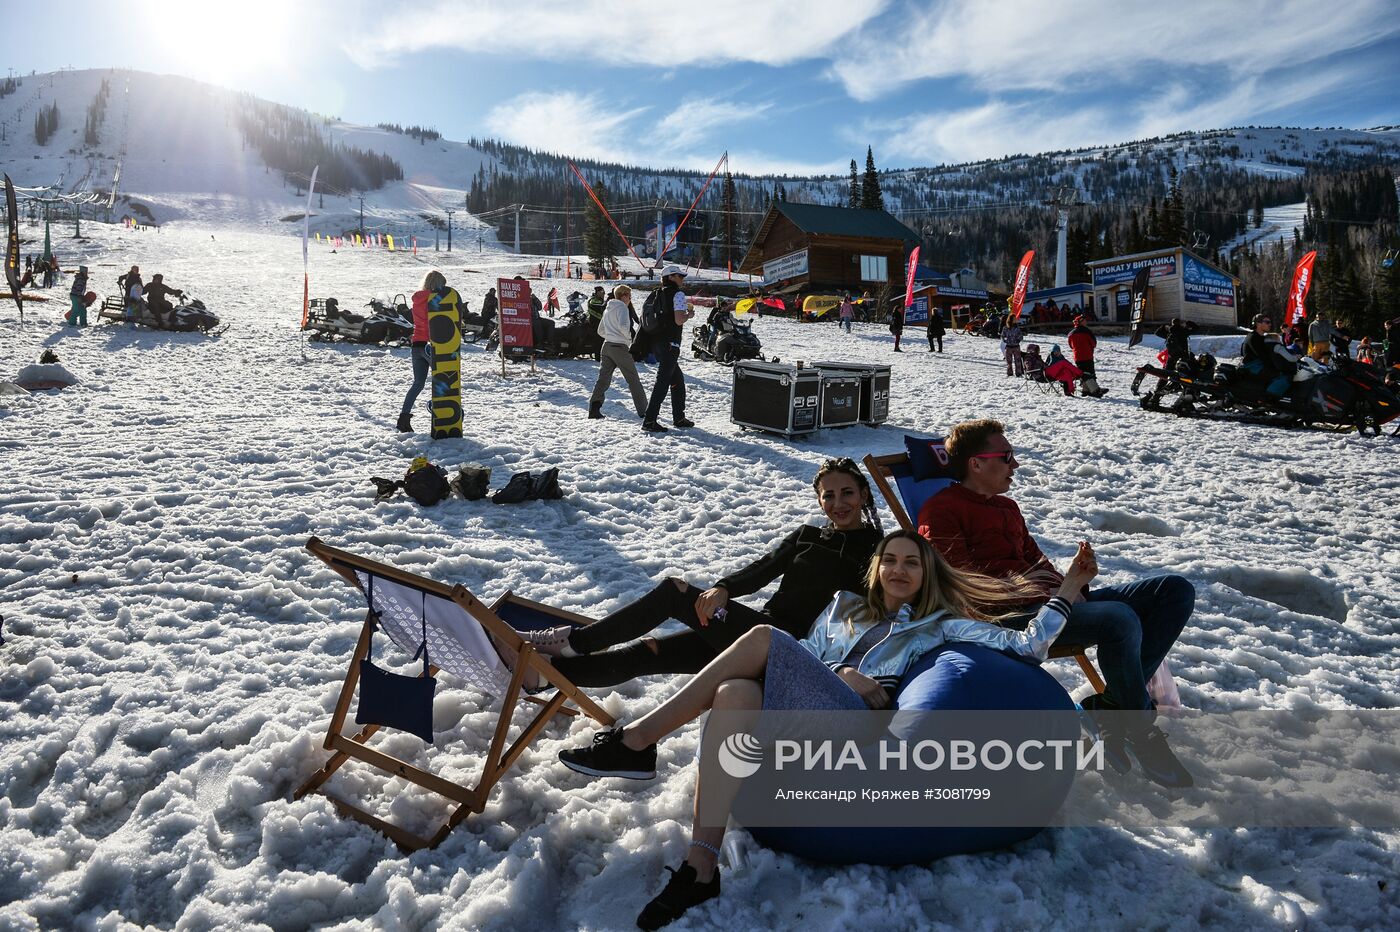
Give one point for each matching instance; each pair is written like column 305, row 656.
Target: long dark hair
column 851, row 468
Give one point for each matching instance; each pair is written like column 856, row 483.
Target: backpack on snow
column 427, row 484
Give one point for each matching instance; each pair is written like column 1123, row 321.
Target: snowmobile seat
column 463, row 638
column 893, row 475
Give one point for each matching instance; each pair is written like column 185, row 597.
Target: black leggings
column 685, row 652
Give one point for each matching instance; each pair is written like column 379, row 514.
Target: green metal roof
column 845, row 221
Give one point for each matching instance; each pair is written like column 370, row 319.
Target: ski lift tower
column 1064, row 199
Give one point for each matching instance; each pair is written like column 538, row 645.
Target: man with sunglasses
column 977, row 527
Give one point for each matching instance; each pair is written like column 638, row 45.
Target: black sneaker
column 652, row 427
column 683, row 422
column 1106, row 724
column 682, row 892
column 1155, row 757
column 609, row 757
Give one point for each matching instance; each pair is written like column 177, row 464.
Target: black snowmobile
column 477, row 327
column 189, row 316
column 385, row 323
column 1351, row 395
column 573, row 335
column 724, row 339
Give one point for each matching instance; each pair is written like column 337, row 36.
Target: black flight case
column 777, row 397
column 874, row 387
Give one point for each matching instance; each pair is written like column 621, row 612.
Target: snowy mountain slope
column 183, row 157
column 172, row 653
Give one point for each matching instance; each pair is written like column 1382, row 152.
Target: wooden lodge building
column 1180, row 284
column 807, row 248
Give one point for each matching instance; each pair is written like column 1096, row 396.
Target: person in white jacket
column 616, row 330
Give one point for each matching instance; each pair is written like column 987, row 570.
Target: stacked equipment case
column 793, row 399
column 874, row 388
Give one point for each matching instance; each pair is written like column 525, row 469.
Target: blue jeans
column 846, row 322
column 422, row 361
column 668, row 379
column 1133, row 626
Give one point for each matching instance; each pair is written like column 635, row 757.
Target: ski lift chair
column 459, row 635
column 894, row 476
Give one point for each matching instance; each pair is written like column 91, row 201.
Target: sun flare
column 219, row 42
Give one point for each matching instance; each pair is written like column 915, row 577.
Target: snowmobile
column 724, row 339
column 1345, row 396
column 476, row 327
column 574, row 335
column 385, row 323
column 186, row 317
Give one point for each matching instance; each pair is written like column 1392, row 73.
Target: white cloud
column 1040, row 123
column 618, row 32
column 569, row 123
column 1007, row 45
column 694, row 120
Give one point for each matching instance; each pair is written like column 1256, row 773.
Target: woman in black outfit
column 814, row 563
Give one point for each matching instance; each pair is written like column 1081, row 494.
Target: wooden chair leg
column 1091, row 674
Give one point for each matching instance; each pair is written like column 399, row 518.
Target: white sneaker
column 548, row 641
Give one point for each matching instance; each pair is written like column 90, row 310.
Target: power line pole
column 1062, row 202
column 449, row 228
column 362, row 216
column 518, row 208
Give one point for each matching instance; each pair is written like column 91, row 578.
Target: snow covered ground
column 1279, row 224
column 172, row 653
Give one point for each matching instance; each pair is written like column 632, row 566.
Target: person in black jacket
column 1259, row 358
column 666, row 343
column 156, row 293
column 936, row 328
column 813, row 562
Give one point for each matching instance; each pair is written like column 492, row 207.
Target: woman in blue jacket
column 857, row 652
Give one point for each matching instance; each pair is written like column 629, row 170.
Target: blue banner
column 1124, row 271
column 1202, row 284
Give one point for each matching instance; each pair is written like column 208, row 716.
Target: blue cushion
column 954, row 677
column 927, row 458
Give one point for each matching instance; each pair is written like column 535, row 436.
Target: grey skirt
column 797, row 681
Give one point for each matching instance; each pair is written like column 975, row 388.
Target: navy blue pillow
column 927, row 458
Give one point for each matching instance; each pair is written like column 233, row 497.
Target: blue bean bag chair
column 954, row 677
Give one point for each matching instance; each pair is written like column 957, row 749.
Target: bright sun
column 222, row 41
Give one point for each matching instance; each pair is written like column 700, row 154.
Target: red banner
column 909, row 279
column 516, row 316
column 1298, row 291
column 1023, row 278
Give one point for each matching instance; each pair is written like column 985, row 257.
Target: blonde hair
column 943, row 588
column 622, row 293
column 434, row 280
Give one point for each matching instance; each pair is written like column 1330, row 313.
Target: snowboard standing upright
column 444, row 329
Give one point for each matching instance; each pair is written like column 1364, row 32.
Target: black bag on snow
column 427, row 485
column 472, row 482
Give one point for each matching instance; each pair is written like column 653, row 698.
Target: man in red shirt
column 976, row 527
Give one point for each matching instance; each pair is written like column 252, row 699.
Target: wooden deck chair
column 893, row 475
column 458, row 630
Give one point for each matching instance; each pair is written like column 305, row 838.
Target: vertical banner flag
column 1298, row 291
column 909, row 279
column 389, row 238
column 516, row 320
column 12, row 246
column 445, row 331
column 305, row 261
column 1023, row 278
column 1138, row 302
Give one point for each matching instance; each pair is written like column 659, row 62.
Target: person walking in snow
column 897, row 325
column 1011, row 348
column 847, row 313
column 617, row 332
column 666, row 343
column 77, row 317
column 936, row 329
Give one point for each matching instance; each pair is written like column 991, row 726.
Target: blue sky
column 792, row 86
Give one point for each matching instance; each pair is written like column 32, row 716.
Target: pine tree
column 599, row 240
column 871, row 197
column 853, row 199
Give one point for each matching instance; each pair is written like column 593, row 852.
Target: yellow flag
column 389, row 237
